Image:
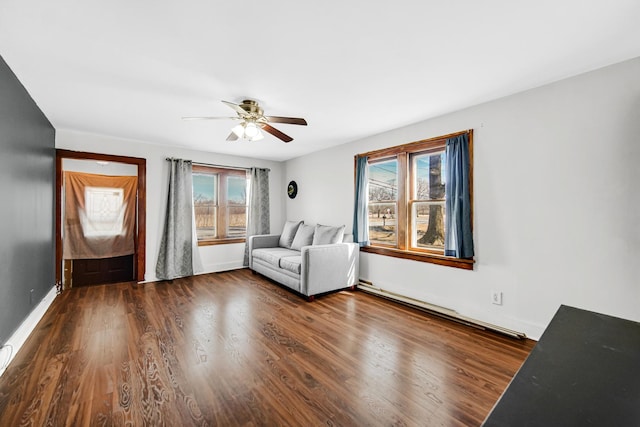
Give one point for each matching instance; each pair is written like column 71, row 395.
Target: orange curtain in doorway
column 99, row 215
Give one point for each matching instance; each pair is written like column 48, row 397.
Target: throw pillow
column 288, row 233
column 326, row 235
column 304, row 237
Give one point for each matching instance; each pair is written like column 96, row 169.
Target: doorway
column 79, row 270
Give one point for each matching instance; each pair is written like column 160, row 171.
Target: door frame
column 140, row 237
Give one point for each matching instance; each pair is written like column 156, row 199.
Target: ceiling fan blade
column 289, row 120
column 232, row 137
column 238, row 109
column 275, row 132
column 210, row 118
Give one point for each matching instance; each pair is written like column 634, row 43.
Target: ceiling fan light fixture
column 251, row 130
column 253, row 122
column 258, row 136
column 248, row 131
column 239, row 130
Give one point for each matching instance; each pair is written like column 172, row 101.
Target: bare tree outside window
column 205, row 202
column 433, row 235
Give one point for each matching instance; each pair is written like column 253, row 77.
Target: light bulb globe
column 251, row 130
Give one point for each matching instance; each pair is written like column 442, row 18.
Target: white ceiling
column 133, row 68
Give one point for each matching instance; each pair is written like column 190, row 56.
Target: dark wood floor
column 235, row 349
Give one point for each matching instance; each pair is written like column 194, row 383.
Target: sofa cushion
column 291, row 263
column 288, row 233
column 272, row 255
column 304, row 237
column 326, row 235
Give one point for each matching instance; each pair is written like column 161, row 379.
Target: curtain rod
column 218, row 166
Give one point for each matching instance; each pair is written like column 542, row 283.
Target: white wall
column 214, row 258
column 556, row 202
column 92, row 166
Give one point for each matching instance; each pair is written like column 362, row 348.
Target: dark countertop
column 584, row 371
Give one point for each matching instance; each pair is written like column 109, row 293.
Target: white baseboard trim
column 207, row 269
column 19, row 337
column 438, row 310
column 219, row 267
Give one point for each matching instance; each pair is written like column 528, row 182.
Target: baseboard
column 438, row 310
column 223, row 266
column 19, row 337
column 209, row 268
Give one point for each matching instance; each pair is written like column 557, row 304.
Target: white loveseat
column 309, row 259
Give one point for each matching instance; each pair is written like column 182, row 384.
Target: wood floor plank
column 235, row 348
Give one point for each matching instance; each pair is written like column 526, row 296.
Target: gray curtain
column 360, row 219
column 176, row 256
column 458, row 240
column 258, row 214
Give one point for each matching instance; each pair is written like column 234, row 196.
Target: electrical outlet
column 496, row 297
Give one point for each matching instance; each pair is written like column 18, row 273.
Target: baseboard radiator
column 437, row 310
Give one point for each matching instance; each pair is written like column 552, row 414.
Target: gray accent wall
column 27, row 164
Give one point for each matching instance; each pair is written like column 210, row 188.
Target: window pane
column 206, row 221
column 205, row 204
column 428, row 170
column 428, row 225
column 383, row 223
column 382, row 206
column 237, row 221
column 204, row 186
column 237, row 190
column 383, row 181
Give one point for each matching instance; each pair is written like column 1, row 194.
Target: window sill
column 221, row 241
column 465, row 264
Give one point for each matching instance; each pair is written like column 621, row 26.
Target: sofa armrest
column 329, row 267
column 262, row 241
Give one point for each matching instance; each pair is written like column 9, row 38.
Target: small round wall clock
column 292, row 190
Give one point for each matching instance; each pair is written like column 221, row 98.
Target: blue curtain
column 458, row 240
column 360, row 221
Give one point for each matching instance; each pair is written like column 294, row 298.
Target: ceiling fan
column 253, row 121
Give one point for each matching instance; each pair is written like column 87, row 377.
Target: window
column 104, row 212
column 406, row 201
column 220, row 203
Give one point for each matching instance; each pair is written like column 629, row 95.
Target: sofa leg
column 310, row 298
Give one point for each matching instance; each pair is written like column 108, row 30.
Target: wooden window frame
column 403, row 154
column 221, row 205
column 412, row 200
